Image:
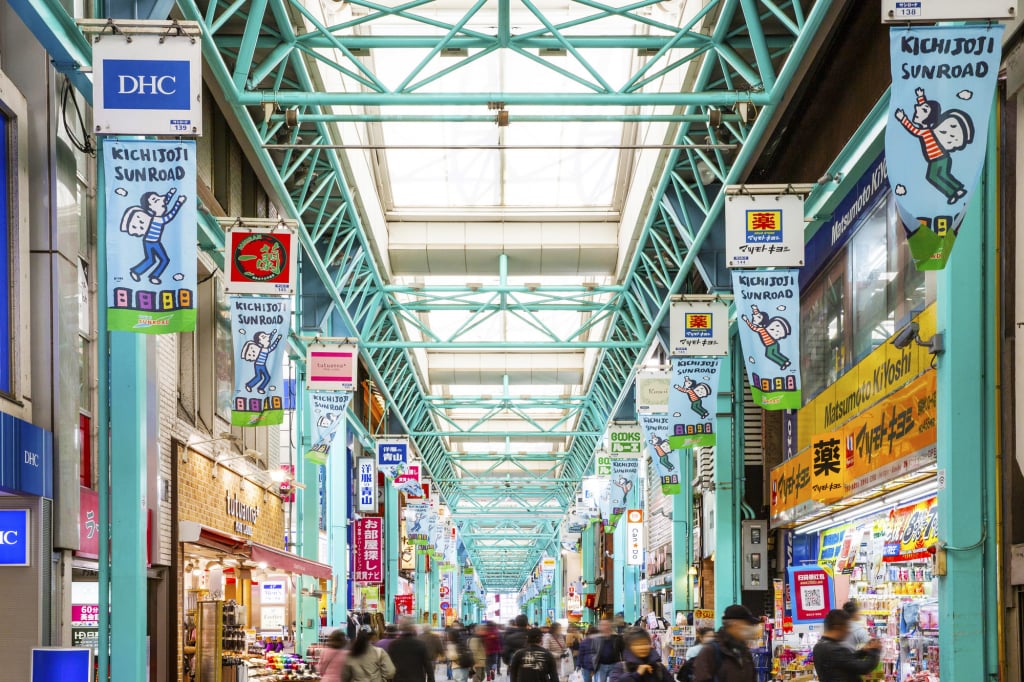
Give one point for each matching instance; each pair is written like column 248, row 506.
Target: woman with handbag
column 366, row 662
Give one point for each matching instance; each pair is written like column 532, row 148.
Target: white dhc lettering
column 146, row 85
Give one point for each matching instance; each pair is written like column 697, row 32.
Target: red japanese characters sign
column 404, row 604
column 260, row 260
column 367, row 551
column 811, row 594
column 88, row 524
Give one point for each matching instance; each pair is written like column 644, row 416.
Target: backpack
column 465, row 658
column 686, row 672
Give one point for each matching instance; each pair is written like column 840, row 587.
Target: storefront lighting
column 278, row 475
column 692, row 570
column 889, row 501
column 262, row 565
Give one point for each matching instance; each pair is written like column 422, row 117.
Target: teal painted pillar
column 557, row 589
column 433, row 593
column 392, row 550
column 420, row 586
column 307, row 527
column 727, row 485
column 588, row 565
column 966, row 441
column 128, row 600
column 631, row 574
column 339, row 475
column 619, row 567
column 682, row 536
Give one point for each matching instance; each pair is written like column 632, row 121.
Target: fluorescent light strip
column 896, row 498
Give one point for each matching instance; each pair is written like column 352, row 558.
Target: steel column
column 589, row 574
column 631, row 574
column 682, row 535
column 392, row 549
column 307, row 529
column 420, row 587
column 339, row 475
column 727, row 487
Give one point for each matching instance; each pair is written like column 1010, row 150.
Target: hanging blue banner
column 150, row 200
column 691, row 402
column 943, row 82
column 392, row 456
column 656, row 429
column 768, row 305
column 258, row 328
column 328, row 421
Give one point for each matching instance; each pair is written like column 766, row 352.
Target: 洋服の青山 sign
column 260, row 259
column 392, row 456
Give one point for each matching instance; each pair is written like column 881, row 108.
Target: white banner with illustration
column 258, row 327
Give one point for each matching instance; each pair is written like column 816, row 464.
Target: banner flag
column 150, row 199
column 260, row 259
column 768, row 303
column 652, row 392
column 691, row 402
column 258, row 325
column 699, row 325
column 408, row 481
column 392, row 456
column 625, row 477
column 416, row 525
column 328, row 420
column 763, row 230
column 943, row 83
column 656, row 429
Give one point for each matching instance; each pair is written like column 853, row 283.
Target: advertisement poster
column 367, row 563
column 625, row 478
column 408, row 481
column 328, row 420
column 666, row 460
column 811, row 592
column 764, row 230
column 392, row 456
column 367, row 484
column 404, row 604
column 692, row 401
column 258, row 326
column 369, row 595
column 331, row 366
column 943, row 82
column 652, row 392
column 912, row 532
column 768, row 305
column 416, row 525
column 260, row 260
column 150, row 199
column 699, row 326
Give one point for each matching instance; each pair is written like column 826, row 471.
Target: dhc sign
column 145, row 84
column 14, row 537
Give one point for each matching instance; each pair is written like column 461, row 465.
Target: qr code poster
column 813, row 595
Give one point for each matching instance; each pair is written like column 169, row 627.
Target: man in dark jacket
column 641, row 662
column 607, row 648
column 410, row 656
column 515, row 638
column 534, row 663
column 727, row 658
column 834, row 661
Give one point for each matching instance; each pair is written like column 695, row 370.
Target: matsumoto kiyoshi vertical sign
column 764, row 231
column 258, row 326
column 691, row 402
column 625, row 475
column 699, row 326
column 768, row 304
column 328, row 420
column 150, row 197
column 943, row 81
column 260, row 260
column 392, row 456
column 666, row 460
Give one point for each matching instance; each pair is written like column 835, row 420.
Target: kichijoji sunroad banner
column 768, row 305
column 625, row 477
column 150, row 197
column 328, row 420
column 258, row 327
column 943, row 82
column 691, row 402
column 656, row 428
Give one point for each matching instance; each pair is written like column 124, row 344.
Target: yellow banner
column 885, row 369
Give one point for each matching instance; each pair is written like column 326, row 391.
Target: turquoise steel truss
column 268, row 58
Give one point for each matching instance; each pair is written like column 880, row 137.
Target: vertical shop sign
column 634, row 537
column 603, row 461
column 828, row 468
column 328, row 420
column 812, row 593
column 943, row 82
column 623, row 439
column 367, row 562
column 331, row 366
column 14, row 537
column 764, row 230
column 150, row 199
column 258, row 326
column 652, row 392
column 699, row 325
column 367, row 484
column 625, row 474
column 260, row 259
column 666, row 460
column 392, row 456
column 768, row 304
column 691, row 402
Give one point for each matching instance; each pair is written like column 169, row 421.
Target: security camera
column 906, row 336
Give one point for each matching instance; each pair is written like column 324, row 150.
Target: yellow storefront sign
column 812, row 479
column 885, row 369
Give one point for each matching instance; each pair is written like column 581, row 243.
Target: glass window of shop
column 862, row 296
column 7, row 159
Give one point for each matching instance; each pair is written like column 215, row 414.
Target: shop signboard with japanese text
column 692, row 401
column 634, row 537
column 260, row 259
column 404, row 604
column 699, row 326
column 768, row 305
column 903, row 11
column 623, row 439
column 764, row 231
column 936, row 139
column 392, row 456
column 408, row 482
column 912, row 532
column 331, row 366
column 258, row 327
column 329, row 412
column 150, row 232
column 656, row 429
column 368, row 550
column 603, row 459
column 811, row 593
column 652, row 392
column 367, row 484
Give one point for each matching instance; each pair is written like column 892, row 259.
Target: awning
column 277, row 559
column 198, row 534
column 289, row 563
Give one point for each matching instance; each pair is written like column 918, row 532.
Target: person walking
column 859, row 635
column 515, row 638
column 533, row 663
column 607, row 650
column 410, row 655
column 585, row 659
column 555, row 642
column 477, row 646
column 705, row 636
column 332, row 660
column 727, row 657
column 460, row 655
column 492, row 645
column 390, row 634
column 435, row 647
column 834, row 660
column 367, row 663
column 641, row 662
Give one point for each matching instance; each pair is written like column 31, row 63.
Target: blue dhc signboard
column 26, row 458
column 61, row 665
column 14, row 537
column 146, row 84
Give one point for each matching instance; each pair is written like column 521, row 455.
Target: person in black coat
column 533, row 663
column 410, row 656
column 641, row 662
column 515, row 638
column 834, row 660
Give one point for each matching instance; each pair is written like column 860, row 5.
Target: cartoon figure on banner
column 411, row 487
column 696, row 393
column 771, row 330
column 625, row 485
column 941, row 134
column 663, row 450
column 148, row 220
column 257, row 351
